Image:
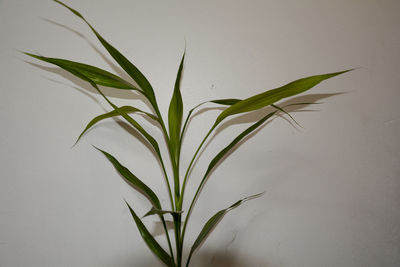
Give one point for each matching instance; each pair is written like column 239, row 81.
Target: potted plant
column 173, row 129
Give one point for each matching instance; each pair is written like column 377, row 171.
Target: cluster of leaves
column 173, row 137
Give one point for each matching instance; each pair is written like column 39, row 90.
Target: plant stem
column 191, row 163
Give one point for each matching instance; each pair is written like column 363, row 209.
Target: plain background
column 332, row 187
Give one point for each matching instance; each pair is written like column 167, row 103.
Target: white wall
column 332, row 187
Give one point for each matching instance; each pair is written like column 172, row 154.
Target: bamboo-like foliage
column 173, row 137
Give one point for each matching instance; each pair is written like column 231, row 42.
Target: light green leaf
column 130, row 177
column 150, row 241
column 270, row 97
column 213, row 221
column 127, row 109
column 175, row 113
column 130, row 69
column 98, row 76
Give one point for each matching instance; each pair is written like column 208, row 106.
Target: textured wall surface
column 332, row 187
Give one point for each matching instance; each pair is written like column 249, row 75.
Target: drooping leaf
column 226, row 102
column 160, row 212
column 133, row 179
column 125, row 64
column 97, row 75
column 213, row 221
column 270, row 97
column 150, row 241
column 285, row 112
column 127, row 109
column 175, row 113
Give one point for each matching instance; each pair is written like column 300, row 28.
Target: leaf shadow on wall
column 214, row 258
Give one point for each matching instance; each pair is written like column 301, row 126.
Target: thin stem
column 191, row 163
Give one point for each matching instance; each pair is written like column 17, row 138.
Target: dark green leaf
column 213, row 221
column 150, row 241
column 227, row 102
column 270, row 97
column 175, row 113
column 98, row 76
column 136, row 182
column 160, row 212
column 131, row 69
column 287, row 113
column 127, row 109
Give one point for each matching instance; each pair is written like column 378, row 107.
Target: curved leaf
column 160, row 212
column 130, row 69
column 150, row 241
column 227, row 102
column 127, row 109
column 130, row 177
column 97, row 75
column 213, row 221
column 270, row 97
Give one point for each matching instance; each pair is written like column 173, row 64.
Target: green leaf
column 160, row 212
column 130, row 69
column 227, row 102
column 270, row 97
column 175, row 113
column 224, row 151
column 213, row 221
column 150, row 241
column 127, row 109
column 130, row 177
column 98, row 76
column 218, row 157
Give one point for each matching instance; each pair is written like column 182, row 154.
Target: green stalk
column 175, row 169
column 191, row 163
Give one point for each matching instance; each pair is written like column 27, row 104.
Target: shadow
column 225, row 258
column 214, row 258
column 110, row 92
column 119, row 93
column 254, row 116
column 113, row 66
column 159, row 228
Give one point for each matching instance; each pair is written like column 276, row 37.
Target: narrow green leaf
column 213, row 221
column 150, row 241
column 175, row 113
column 218, row 157
column 246, row 132
column 130, row 177
column 130, row 69
column 127, row 109
column 285, row 112
column 227, row 102
column 160, row 212
column 270, row 97
column 97, row 75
